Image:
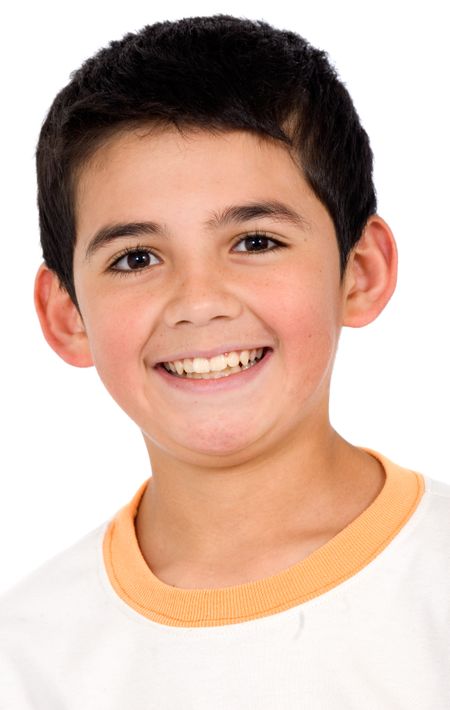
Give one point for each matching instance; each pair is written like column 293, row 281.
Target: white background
column 69, row 456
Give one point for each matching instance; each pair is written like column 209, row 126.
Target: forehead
column 171, row 177
column 166, row 152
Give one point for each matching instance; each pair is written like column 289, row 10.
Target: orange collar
column 332, row 563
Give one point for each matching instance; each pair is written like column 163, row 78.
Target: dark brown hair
column 217, row 73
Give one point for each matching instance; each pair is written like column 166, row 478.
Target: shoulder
column 46, row 618
column 51, row 591
column 436, row 502
column 430, row 525
column 437, row 495
column 437, row 488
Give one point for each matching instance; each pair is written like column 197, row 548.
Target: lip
column 238, row 379
column 210, row 353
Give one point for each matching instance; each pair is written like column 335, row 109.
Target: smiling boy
column 203, row 250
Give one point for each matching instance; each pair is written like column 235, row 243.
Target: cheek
column 304, row 317
column 117, row 337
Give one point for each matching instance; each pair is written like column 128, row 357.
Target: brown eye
column 133, row 261
column 261, row 243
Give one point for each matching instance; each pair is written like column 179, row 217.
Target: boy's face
column 204, row 288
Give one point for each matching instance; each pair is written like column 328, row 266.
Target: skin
column 250, row 481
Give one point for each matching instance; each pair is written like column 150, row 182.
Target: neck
column 213, row 527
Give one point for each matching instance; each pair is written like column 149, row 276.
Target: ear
column 371, row 274
column 60, row 320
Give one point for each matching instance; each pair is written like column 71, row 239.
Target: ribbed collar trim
column 332, row 563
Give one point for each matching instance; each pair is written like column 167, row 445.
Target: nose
column 202, row 294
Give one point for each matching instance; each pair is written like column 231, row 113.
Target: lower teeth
column 216, row 375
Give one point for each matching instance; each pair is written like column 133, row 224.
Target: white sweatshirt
column 362, row 623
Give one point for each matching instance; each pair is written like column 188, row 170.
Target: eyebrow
column 233, row 214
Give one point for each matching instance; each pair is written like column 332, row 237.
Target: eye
column 134, row 259
column 138, row 258
column 258, row 238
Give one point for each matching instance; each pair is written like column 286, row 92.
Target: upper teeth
column 213, row 364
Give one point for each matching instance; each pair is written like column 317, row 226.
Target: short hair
column 217, row 73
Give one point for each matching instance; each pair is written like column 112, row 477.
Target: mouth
column 259, row 355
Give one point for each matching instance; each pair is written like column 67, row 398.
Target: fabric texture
column 362, row 622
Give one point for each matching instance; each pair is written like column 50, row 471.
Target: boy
column 208, row 223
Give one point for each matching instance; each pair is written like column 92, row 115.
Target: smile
column 213, row 383
column 217, row 367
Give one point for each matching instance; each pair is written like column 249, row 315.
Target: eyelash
column 139, row 249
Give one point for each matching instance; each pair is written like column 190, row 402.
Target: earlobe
column 60, row 320
column 371, row 274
